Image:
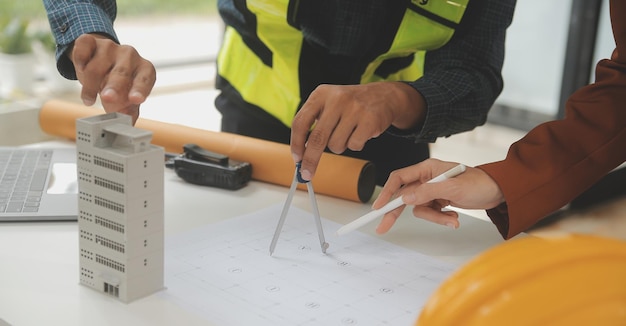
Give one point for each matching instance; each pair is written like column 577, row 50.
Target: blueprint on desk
column 224, row 272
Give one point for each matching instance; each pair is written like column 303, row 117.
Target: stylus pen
column 367, row 218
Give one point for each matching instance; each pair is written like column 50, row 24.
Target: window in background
column 181, row 38
column 165, row 30
column 20, row 27
column 170, row 33
column 536, row 49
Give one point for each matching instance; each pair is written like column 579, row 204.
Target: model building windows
column 108, row 184
column 110, row 244
column 109, row 204
column 110, row 263
column 112, row 289
column 108, row 164
column 109, row 224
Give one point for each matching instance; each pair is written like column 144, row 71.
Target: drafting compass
column 316, row 214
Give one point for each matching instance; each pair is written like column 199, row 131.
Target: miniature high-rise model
column 120, row 207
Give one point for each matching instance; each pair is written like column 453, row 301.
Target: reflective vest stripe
column 440, row 32
column 275, row 87
column 243, row 69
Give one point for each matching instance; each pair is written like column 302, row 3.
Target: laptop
column 38, row 184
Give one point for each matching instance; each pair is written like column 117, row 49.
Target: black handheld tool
column 202, row 167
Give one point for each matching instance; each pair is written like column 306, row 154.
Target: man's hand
column 472, row 189
column 347, row 116
column 117, row 72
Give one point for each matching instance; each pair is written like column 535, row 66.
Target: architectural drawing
column 120, row 207
column 362, row 280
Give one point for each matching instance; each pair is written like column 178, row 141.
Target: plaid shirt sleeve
column 462, row 79
column 71, row 18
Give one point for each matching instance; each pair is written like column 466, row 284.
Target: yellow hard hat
column 568, row 280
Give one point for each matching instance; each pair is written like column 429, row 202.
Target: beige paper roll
column 337, row 176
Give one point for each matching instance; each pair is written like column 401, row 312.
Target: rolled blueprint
column 336, row 176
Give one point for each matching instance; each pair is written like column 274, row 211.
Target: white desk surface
column 39, row 281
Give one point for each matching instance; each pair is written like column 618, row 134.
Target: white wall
column 535, row 52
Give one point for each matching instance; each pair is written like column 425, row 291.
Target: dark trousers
column 386, row 152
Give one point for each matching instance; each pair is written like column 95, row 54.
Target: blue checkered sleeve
column 462, row 79
column 71, row 18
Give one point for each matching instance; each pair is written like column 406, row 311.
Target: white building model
column 120, row 207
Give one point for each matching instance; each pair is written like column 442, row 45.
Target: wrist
column 410, row 107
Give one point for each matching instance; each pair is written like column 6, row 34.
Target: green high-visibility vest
column 426, row 25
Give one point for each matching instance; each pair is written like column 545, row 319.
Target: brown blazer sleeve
column 558, row 160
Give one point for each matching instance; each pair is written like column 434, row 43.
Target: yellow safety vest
column 426, row 25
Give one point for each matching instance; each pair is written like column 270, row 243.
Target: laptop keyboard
column 23, row 176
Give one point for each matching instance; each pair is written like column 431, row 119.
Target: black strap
column 433, row 17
